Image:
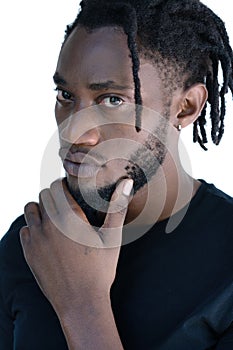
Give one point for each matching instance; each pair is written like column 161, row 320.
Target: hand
column 73, row 274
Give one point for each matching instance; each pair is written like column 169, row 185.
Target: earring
column 179, row 127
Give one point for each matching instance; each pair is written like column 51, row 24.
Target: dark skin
column 76, row 277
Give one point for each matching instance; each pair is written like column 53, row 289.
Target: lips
column 83, row 170
column 79, row 164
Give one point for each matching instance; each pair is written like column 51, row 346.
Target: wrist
column 91, row 327
column 84, row 308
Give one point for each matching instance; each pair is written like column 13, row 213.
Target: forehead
column 95, row 54
column 102, row 55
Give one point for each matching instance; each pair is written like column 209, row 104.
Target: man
column 128, row 251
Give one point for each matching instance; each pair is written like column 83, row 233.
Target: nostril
column 89, row 137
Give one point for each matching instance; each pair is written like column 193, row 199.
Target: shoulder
column 214, row 203
column 208, row 223
column 217, row 194
column 10, row 243
column 211, row 219
column 209, row 211
column 13, row 267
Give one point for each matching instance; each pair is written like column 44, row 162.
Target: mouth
column 79, row 164
column 81, row 170
column 78, row 157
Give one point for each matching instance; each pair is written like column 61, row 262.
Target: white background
column 31, row 35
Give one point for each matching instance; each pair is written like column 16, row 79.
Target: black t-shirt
column 171, row 292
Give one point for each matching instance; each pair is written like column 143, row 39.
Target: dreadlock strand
column 195, row 132
column 135, row 66
column 202, row 144
column 202, row 122
column 214, row 112
column 130, row 30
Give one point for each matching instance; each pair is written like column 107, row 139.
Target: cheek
column 58, row 115
column 61, row 114
column 112, row 171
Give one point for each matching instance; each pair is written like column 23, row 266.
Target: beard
column 141, row 166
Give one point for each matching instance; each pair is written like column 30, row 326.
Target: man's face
column 95, row 113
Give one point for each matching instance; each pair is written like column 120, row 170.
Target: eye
column 111, row 101
column 63, row 95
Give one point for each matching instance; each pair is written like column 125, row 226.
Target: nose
column 80, row 129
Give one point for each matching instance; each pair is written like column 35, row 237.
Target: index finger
column 111, row 231
column 72, row 222
column 63, row 198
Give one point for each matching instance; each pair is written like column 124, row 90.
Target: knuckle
column 23, row 231
column 55, row 184
column 119, row 207
column 44, row 192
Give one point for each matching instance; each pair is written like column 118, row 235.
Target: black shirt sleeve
column 27, row 320
column 6, row 328
column 6, row 279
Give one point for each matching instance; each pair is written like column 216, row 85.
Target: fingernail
column 127, row 188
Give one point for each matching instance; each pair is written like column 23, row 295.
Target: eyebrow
column 105, row 85
column 58, row 79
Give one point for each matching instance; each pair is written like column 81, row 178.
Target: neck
column 170, row 190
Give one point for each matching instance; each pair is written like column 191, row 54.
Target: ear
column 191, row 104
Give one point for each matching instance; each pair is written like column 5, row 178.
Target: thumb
column 111, row 231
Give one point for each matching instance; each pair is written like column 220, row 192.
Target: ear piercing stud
column 179, row 127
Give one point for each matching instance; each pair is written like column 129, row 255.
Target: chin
column 89, row 192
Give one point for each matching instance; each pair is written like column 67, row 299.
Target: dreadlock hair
column 183, row 37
